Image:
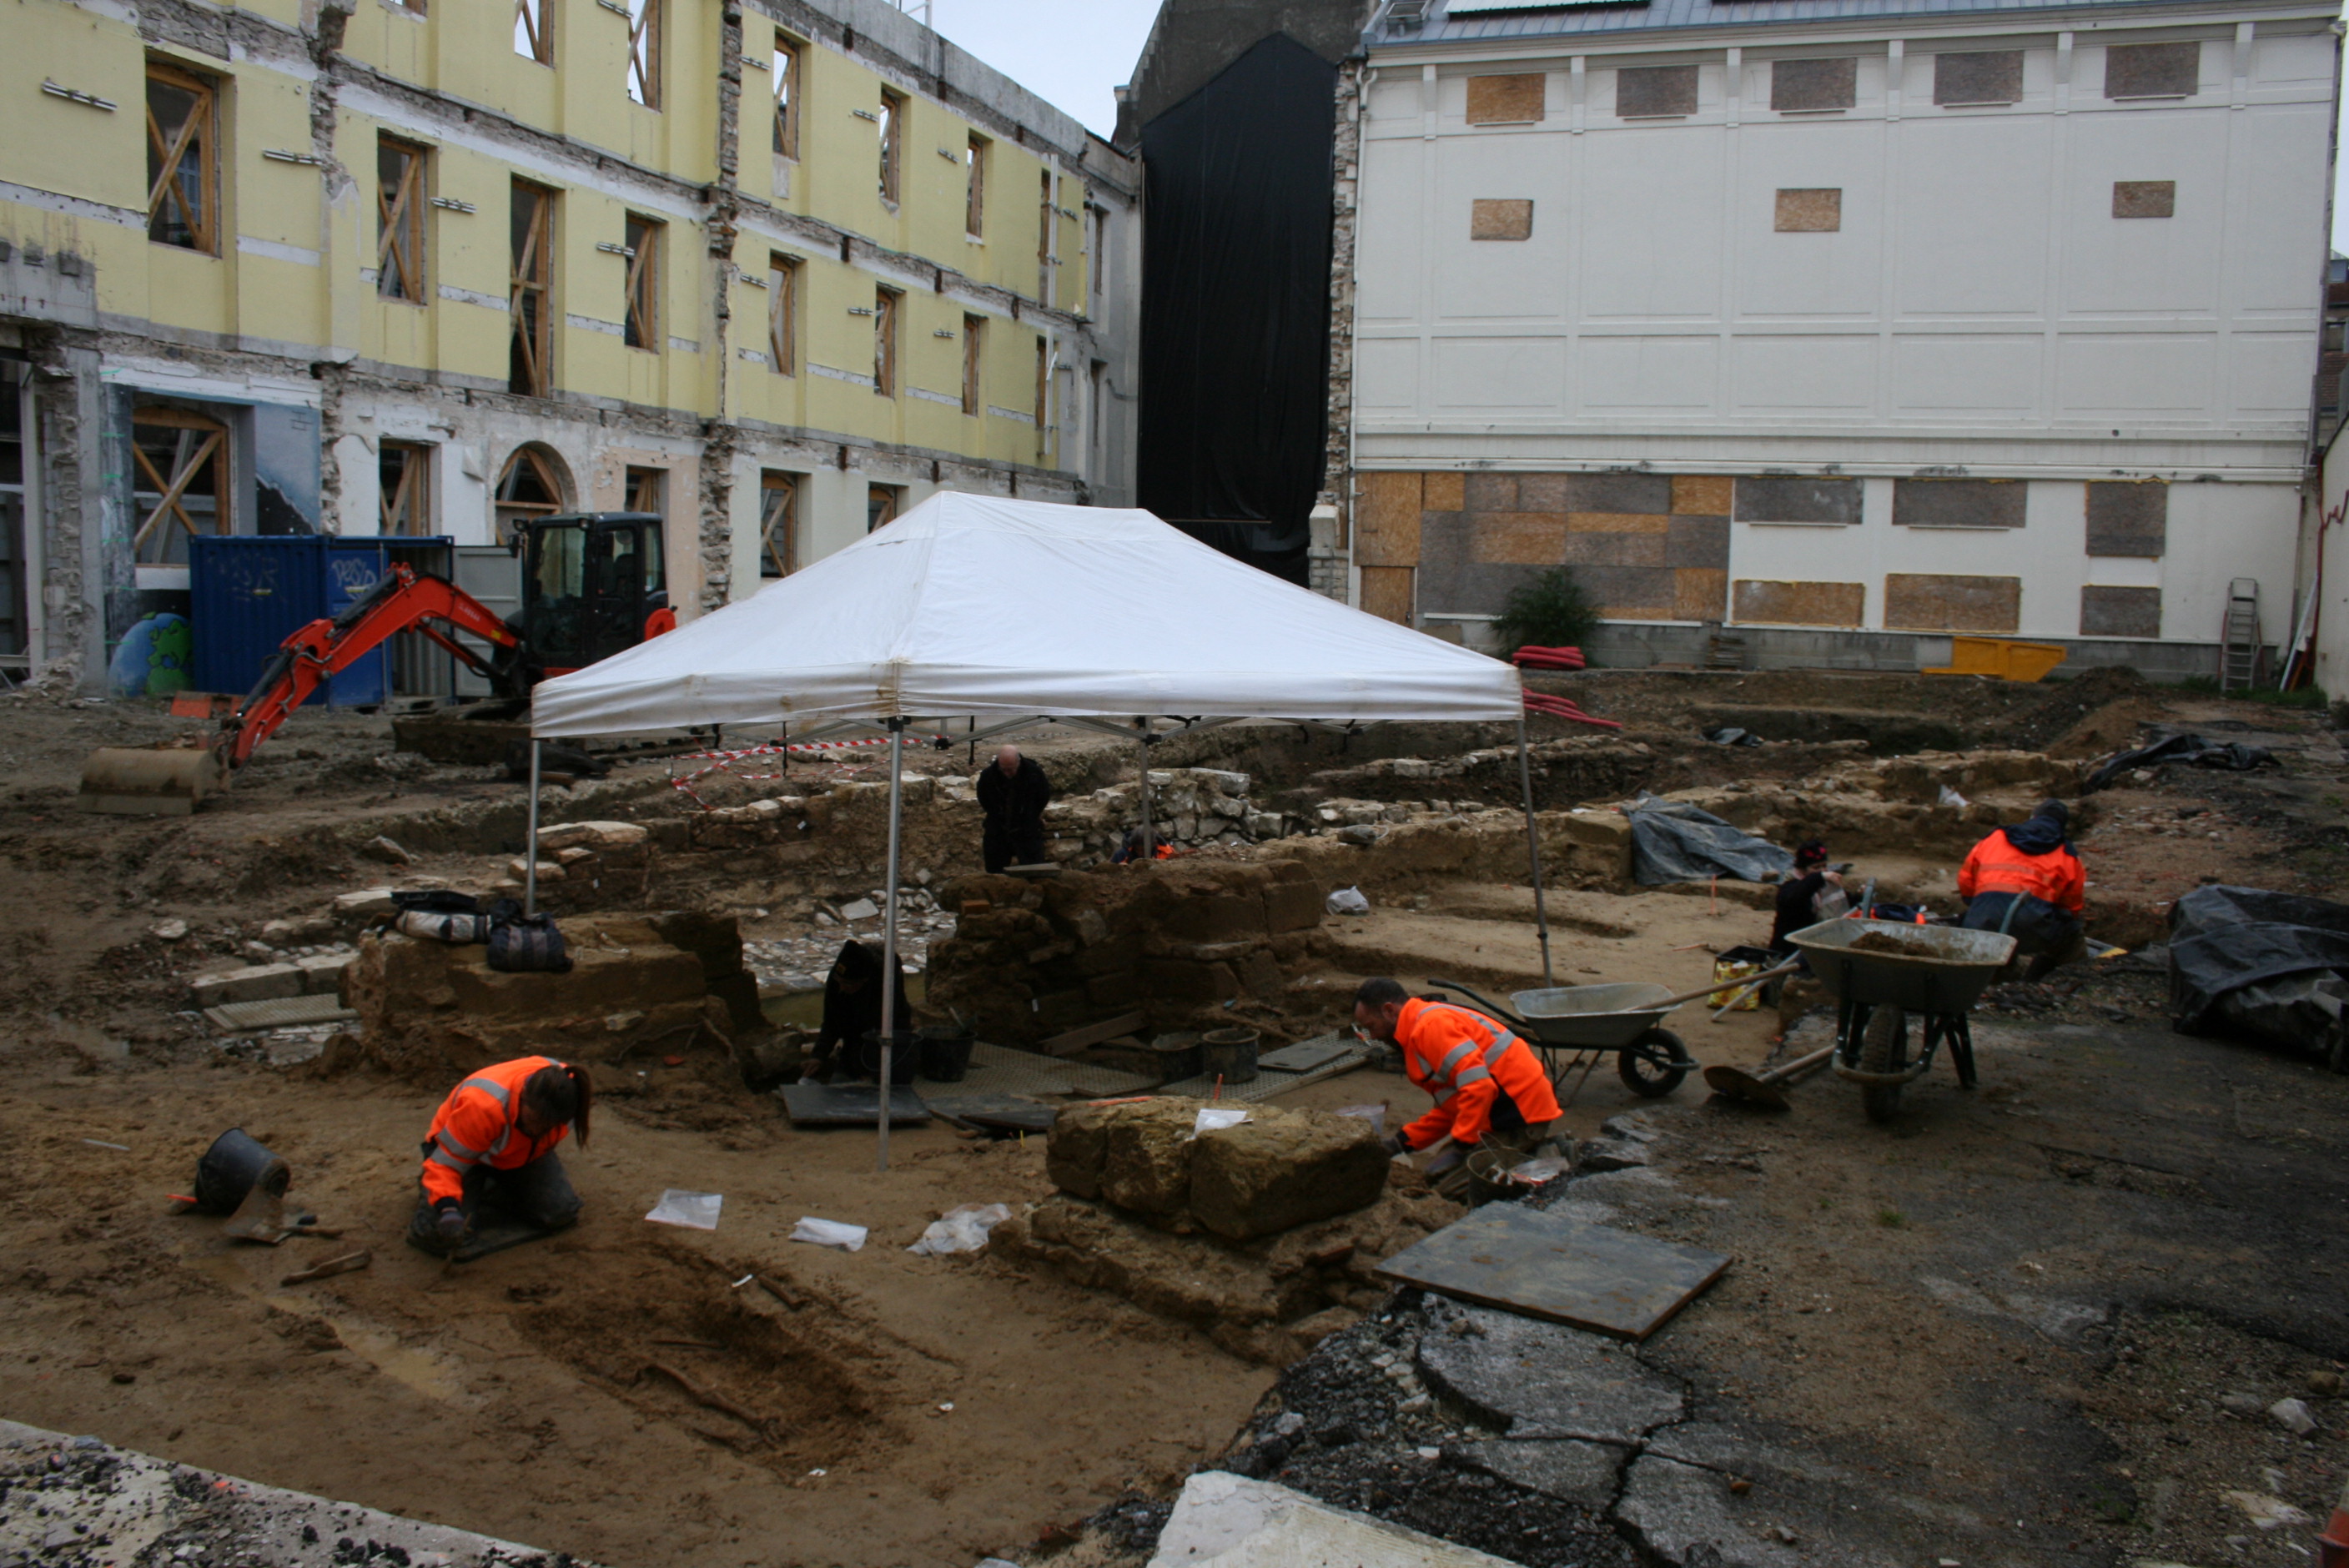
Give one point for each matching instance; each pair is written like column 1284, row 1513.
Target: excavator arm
column 404, row 600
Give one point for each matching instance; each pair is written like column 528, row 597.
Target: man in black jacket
column 1013, row 793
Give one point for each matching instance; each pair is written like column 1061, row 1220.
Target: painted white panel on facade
column 2276, row 250
column 2269, row 379
column 1649, row 226
column 1807, row 374
column 1518, row 279
column 2302, row 59
column 2219, row 532
column 1499, row 372
column 2139, row 266
column 1810, row 274
column 1386, row 373
column 1647, row 375
column 1971, row 215
column 1387, row 233
column 1965, row 376
column 2135, row 374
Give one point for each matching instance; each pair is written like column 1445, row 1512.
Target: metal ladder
column 2238, row 654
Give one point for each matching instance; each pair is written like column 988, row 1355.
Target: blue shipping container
column 249, row 593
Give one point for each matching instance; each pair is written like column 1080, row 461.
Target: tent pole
column 1149, row 837
column 1533, row 849
column 889, row 934
column 530, row 850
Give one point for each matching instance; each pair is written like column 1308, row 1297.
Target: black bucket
column 945, row 1053
column 905, row 1059
column 1178, row 1057
column 231, row 1168
column 1228, row 1054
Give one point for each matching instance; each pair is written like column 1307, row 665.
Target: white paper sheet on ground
column 909, row 620
column 695, row 1211
column 829, row 1234
column 962, row 1229
column 1376, row 1114
column 1216, row 1117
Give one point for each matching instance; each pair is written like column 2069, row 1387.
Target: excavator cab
column 592, row 584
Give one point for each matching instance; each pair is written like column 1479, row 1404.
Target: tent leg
column 530, row 847
column 1532, row 850
column 1149, row 834
column 889, row 934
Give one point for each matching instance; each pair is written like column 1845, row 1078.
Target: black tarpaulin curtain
column 1235, row 304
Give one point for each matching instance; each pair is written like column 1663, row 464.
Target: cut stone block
column 364, row 904
column 1226, row 1521
column 256, row 982
column 1281, row 1169
column 595, row 835
column 322, row 974
column 1148, row 1163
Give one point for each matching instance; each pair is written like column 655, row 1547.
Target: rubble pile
column 1264, row 1234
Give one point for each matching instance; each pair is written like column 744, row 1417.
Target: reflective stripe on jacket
column 1465, row 1059
column 1997, row 866
column 475, row 1126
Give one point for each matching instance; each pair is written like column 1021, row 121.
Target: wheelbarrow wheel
column 1654, row 1065
column 1884, row 1048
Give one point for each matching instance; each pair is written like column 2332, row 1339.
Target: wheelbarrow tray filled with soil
column 1934, row 969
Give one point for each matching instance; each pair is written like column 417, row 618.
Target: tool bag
column 439, row 916
column 525, row 943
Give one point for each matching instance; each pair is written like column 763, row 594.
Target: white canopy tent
column 1013, row 611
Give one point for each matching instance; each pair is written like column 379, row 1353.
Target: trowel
column 261, row 1217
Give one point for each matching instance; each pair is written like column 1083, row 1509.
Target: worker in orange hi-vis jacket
column 1488, row 1085
column 493, row 1140
column 2027, row 882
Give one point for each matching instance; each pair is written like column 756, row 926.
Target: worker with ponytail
column 492, row 1143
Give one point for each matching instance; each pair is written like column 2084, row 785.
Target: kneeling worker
column 492, row 1143
column 2027, row 882
column 1489, row 1085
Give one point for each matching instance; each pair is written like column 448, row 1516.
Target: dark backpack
column 525, row 943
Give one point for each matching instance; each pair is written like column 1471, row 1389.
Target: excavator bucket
column 151, row 782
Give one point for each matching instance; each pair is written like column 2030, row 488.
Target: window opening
column 642, row 328
column 644, row 52
column 893, row 138
column 881, row 504
column 529, row 487
column 974, row 360
column 181, row 482
column 182, row 183
column 974, row 201
column 885, row 341
column 531, row 372
column 784, row 315
column 532, row 38
column 778, row 523
column 786, row 73
column 404, row 500
column 399, row 221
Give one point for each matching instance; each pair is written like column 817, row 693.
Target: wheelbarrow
column 1879, row 972
column 1650, row 1060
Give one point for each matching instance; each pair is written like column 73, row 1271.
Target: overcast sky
column 1072, row 53
column 1069, row 53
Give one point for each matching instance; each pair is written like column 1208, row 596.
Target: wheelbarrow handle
column 1746, row 982
column 1498, row 1012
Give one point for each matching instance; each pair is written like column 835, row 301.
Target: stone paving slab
column 1543, row 1379
column 1226, row 1521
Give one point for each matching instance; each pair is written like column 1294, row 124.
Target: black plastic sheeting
column 2234, row 756
column 1235, row 305
column 1675, row 843
column 2225, row 941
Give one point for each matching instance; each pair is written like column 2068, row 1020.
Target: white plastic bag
column 1951, row 797
column 695, row 1211
column 829, row 1234
column 1376, row 1114
column 1216, row 1117
column 1349, row 901
column 960, row 1229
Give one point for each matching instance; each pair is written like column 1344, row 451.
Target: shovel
column 331, row 1267
column 1765, row 1089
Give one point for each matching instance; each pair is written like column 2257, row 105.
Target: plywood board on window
column 1387, row 593
column 1630, row 592
column 1505, row 100
column 1932, row 602
column 1651, row 91
column 2128, row 518
column 1978, row 76
column 2120, row 612
column 2153, row 70
column 1444, row 493
column 1500, row 217
column 1386, row 519
column 1525, row 538
column 1800, row 603
column 1959, row 503
column 1542, row 492
column 1809, row 84
column 1634, row 493
column 1618, row 522
column 1702, row 495
column 1698, row 541
column 2145, row 198
column 1699, row 593
column 1615, row 550
column 1776, row 499
column 1810, row 211
column 1491, row 492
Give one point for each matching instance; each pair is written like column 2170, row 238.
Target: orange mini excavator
column 593, row 583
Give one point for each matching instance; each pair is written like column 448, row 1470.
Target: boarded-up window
column 1987, row 77
column 1505, row 100
column 882, row 504
column 1958, row 503
column 2120, row 612
column 778, row 523
column 784, row 315
column 179, row 481
column 529, row 486
column 530, row 302
column 2152, row 70
column 2145, row 198
column 1927, row 602
column 648, row 491
column 1813, row 211
column 1643, row 92
column 1500, row 219
column 1798, row 86
column 403, row 488
column 399, row 221
column 974, row 363
column 1800, row 603
column 182, row 169
column 1789, row 499
column 1387, row 593
column 643, row 242
column 2129, row 520
column 885, row 304
column 783, row 71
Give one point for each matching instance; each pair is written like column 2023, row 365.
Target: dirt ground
column 1895, row 1301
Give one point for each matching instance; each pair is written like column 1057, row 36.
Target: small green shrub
column 1550, row 612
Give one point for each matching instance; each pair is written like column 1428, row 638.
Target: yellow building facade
column 773, row 270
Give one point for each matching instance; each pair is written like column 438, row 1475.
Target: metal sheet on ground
column 1307, row 1054
column 1266, row 1083
column 850, row 1105
column 1546, row 1265
column 1009, row 1112
column 1000, row 1070
column 280, row 1012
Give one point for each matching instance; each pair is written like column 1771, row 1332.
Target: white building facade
column 1847, row 325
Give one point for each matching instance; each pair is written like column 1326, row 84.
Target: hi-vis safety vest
column 1465, row 1059
column 475, row 1126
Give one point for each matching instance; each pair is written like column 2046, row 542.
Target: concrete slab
column 280, row 1013
column 1584, row 1474
column 1543, row 1379
column 1224, row 1521
column 1553, row 1266
column 69, row 1497
column 1678, row 1515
